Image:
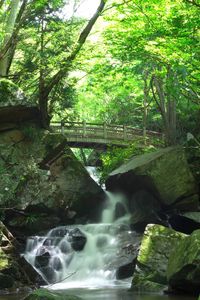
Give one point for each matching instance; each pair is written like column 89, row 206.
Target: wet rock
column 126, row 271
column 183, row 272
column 120, row 210
column 68, row 259
column 78, row 239
column 49, row 274
column 56, row 264
column 157, row 244
column 44, row 294
column 59, row 232
column 42, row 258
column 65, row 247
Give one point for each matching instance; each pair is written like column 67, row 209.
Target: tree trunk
column 1, row 3
column 145, row 105
column 10, row 24
column 167, row 106
column 43, row 96
column 171, row 106
column 45, row 89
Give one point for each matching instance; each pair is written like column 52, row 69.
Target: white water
column 93, row 267
column 94, row 174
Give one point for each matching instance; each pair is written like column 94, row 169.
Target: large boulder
column 78, row 189
column 151, row 266
column 156, row 182
column 44, row 182
column 183, row 272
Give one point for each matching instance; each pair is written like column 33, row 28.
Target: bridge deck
column 79, row 134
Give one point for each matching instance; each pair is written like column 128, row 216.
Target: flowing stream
column 85, row 256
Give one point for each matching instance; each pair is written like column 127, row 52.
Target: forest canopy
column 131, row 62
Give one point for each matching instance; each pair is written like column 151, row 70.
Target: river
column 108, row 294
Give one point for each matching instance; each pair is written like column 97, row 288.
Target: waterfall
column 85, row 255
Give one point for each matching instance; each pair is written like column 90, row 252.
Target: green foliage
column 31, row 133
column 115, row 157
column 140, row 41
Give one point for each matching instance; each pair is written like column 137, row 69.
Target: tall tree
column 13, row 14
column 46, row 87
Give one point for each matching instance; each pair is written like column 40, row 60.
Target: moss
column 142, row 284
column 187, row 252
column 44, row 294
column 4, row 261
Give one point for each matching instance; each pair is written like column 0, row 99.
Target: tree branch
column 81, row 40
column 193, row 2
column 117, row 5
column 19, row 20
column 1, row 3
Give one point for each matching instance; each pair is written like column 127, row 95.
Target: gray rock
column 183, row 272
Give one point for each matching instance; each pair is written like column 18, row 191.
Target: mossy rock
column 156, row 246
column 169, row 172
column 44, row 294
column 183, row 272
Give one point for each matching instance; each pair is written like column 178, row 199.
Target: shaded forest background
column 132, row 63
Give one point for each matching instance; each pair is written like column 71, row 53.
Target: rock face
column 154, row 183
column 150, row 273
column 183, row 272
column 79, row 190
column 43, row 196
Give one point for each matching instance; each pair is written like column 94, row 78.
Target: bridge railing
column 105, row 131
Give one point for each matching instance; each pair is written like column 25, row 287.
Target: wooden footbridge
column 100, row 136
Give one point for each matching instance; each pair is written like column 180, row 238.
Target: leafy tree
column 152, row 48
column 45, row 19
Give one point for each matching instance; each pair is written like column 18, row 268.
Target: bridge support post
column 145, row 135
column 125, row 133
column 84, row 128
column 62, row 123
column 104, row 131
